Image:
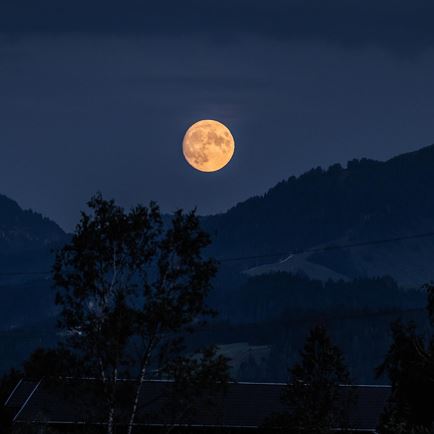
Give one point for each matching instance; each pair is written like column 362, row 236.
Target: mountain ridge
column 364, row 201
column 26, row 238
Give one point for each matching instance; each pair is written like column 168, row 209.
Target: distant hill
column 366, row 200
column 26, row 238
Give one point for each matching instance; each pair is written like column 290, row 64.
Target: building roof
column 20, row 394
column 243, row 405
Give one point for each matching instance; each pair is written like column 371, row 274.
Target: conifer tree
column 315, row 403
column 409, row 365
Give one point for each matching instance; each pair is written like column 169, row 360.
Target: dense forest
column 364, row 201
column 278, row 309
column 280, row 296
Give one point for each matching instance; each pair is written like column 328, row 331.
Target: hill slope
column 367, row 200
column 26, row 238
column 26, row 243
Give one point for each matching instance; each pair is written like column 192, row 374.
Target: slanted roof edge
column 27, row 400
column 13, row 391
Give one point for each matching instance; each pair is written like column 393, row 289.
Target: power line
column 278, row 254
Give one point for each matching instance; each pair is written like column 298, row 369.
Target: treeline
column 277, row 296
column 278, row 309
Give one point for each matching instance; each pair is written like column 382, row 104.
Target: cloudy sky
column 96, row 95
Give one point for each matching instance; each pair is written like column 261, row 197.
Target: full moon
column 208, row 145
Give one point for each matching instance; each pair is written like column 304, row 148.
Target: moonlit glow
column 208, row 145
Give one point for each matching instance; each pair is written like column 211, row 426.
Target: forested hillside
column 26, row 238
column 366, row 200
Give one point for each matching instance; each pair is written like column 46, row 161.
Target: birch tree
column 130, row 288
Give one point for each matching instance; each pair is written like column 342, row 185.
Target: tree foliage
column 315, row 402
column 409, row 365
column 129, row 289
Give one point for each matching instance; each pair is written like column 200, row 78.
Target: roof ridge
column 266, row 383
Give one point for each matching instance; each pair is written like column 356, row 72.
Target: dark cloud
column 400, row 25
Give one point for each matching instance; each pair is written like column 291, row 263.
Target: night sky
column 96, row 95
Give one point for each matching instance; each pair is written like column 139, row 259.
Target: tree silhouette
column 409, row 365
column 315, row 403
column 129, row 289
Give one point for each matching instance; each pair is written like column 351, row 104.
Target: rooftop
column 243, row 405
